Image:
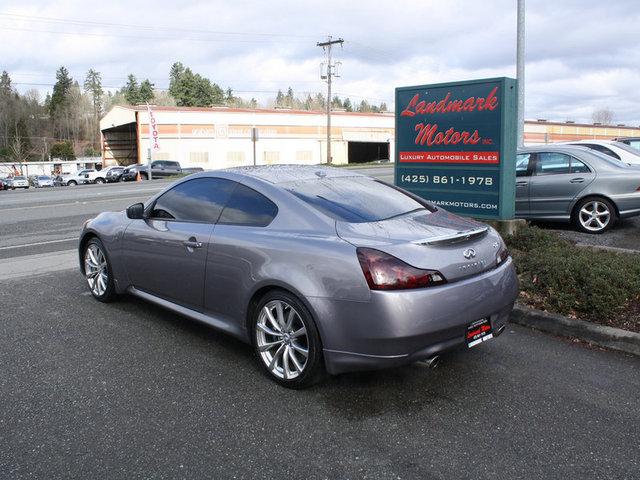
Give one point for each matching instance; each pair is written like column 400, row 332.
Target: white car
column 99, row 176
column 617, row 150
column 19, row 182
column 78, row 178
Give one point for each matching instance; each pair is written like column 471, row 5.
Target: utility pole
column 326, row 46
column 520, row 72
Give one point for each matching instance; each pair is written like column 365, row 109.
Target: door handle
column 192, row 243
column 522, row 184
column 576, row 180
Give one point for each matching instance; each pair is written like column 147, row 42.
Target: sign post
column 254, row 139
column 456, row 145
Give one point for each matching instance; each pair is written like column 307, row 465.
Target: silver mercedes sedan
column 320, row 269
column 575, row 184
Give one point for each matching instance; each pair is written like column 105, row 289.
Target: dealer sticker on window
column 478, row 332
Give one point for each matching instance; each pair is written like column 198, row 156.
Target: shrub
column 558, row 276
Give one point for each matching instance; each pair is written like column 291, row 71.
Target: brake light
column 502, row 255
column 386, row 272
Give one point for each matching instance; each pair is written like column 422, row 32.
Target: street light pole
column 520, row 72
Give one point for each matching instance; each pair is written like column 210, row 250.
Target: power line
column 154, row 28
column 139, row 37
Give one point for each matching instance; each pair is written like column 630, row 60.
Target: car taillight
column 386, row 272
column 502, row 255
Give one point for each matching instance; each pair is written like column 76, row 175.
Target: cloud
column 581, row 54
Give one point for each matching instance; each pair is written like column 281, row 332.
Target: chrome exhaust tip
column 432, row 362
column 499, row 331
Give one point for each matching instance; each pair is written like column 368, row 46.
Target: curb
column 603, row 336
column 608, row 249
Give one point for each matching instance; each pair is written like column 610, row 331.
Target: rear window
column 354, row 199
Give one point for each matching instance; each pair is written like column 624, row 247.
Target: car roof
column 278, row 174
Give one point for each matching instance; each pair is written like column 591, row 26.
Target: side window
column 522, row 164
column 578, row 167
column 156, row 164
column 603, row 149
column 553, row 163
column 198, row 200
column 248, row 207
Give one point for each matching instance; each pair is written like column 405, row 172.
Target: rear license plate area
column 478, row 332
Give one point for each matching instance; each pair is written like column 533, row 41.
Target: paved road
column 128, row 390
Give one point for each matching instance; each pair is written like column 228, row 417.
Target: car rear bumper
column 401, row 327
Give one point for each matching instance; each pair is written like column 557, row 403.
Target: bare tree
column 18, row 153
column 603, row 116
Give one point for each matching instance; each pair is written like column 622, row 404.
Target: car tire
column 144, row 176
column 594, row 215
column 72, row 183
column 287, row 344
column 121, row 179
column 98, row 272
column 99, row 180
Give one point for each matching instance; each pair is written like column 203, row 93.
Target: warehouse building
column 221, row 137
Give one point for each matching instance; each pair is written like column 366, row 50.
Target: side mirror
column 136, row 211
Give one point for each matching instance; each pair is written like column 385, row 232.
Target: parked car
column 42, row 181
column 77, row 178
column 99, row 176
column 575, row 184
column 4, row 184
column 617, row 150
column 315, row 267
column 633, row 142
column 114, row 174
column 19, row 182
column 159, row 169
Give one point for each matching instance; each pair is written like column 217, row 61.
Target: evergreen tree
column 308, row 103
column 289, row 98
column 61, row 90
column 280, row 99
column 145, row 93
column 383, row 107
column 347, row 105
column 175, row 74
column 131, row 90
column 93, row 86
column 253, row 103
column 193, row 90
column 364, row 106
column 336, row 102
column 5, row 84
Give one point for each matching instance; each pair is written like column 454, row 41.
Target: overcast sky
column 582, row 55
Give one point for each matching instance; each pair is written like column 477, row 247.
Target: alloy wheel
column 594, row 216
column 282, row 340
column 96, row 270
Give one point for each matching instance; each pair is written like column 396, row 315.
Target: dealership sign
column 153, row 130
column 456, row 145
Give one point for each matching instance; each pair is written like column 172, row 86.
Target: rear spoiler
column 457, row 237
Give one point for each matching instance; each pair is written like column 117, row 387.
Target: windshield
column 44, row 178
column 354, row 199
column 18, row 178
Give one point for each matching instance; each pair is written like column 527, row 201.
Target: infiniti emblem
column 469, row 253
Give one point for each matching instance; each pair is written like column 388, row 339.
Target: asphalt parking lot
column 128, row 390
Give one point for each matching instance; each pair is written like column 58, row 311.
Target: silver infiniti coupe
column 575, row 184
column 320, row 269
